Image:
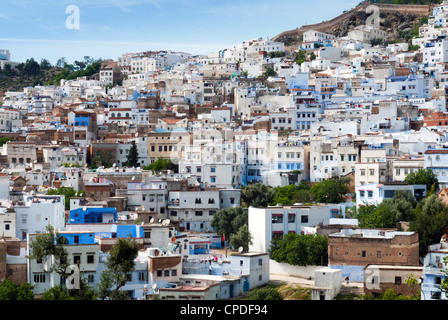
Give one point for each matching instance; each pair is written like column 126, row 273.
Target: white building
column 35, row 213
column 375, row 193
column 267, row 224
column 437, row 161
column 316, row 36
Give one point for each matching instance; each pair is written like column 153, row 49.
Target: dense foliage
column 300, row 250
column 162, row 164
column 68, row 192
column 119, row 265
column 11, row 291
column 260, row 294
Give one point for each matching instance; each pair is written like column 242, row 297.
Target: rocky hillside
column 400, row 21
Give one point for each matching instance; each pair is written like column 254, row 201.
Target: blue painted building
column 77, row 237
column 126, row 231
column 434, row 272
column 93, row 215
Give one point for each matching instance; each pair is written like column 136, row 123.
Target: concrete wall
column 290, row 270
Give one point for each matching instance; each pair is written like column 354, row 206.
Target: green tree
column 257, row 195
column 330, row 191
column 431, row 220
column 105, row 158
column 425, row 177
column 269, row 72
column 68, row 192
column 300, row 250
column 276, row 54
column 132, row 156
column 119, row 266
column 265, row 294
column 45, row 64
column 300, row 57
column 412, row 282
column 242, row 238
column 389, row 294
column 57, row 293
column 229, row 222
column 4, row 140
column 60, row 292
column 11, row 291
column 290, row 194
column 285, row 195
column 47, row 245
column 162, row 164
column 390, row 211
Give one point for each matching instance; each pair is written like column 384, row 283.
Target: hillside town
column 165, row 148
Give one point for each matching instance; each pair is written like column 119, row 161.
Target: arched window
column 119, row 115
column 113, row 115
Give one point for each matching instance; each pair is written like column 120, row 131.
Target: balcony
column 433, row 270
column 430, row 287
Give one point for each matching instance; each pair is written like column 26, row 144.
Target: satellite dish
column 152, row 220
column 154, row 286
column 240, row 249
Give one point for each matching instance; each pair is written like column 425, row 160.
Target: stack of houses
column 247, row 114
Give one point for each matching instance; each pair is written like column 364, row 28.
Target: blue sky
column 108, row 28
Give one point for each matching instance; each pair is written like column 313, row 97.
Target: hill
column 401, row 21
column 32, row 73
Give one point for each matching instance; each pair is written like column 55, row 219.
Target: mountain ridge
column 407, row 14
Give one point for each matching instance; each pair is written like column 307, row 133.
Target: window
column 291, row 218
column 362, row 194
column 370, row 194
column 147, row 234
column 166, row 273
column 277, row 218
column 39, row 278
column 304, row 219
column 76, row 259
column 90, row 258
column 397, row 280
column 363, row 254
column 198, row 213
column 141, row 276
